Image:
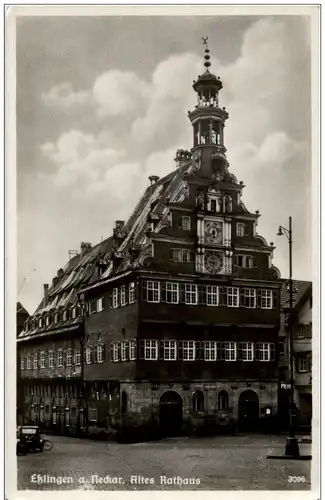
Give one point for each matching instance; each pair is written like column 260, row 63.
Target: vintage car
column 29, row 439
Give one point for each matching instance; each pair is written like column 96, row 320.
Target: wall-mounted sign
column 283, row 385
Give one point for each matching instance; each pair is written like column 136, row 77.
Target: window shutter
column 171, row 254
column 240, row 351
column 141, row 349
column 222, row 296
column 180, row 350
column 179, row 222
column 163, row 296
column 258, row 352
column 245, row 230
column 274, row 299
column 95, row 354
column 182, row 292
column 241, row 297
column 119, row 351
column 144, row 290
column 235, row 260
column 254, row 261
column 309, row 363
column 258, row 298
column 160, row 349
column 103, row 352
column 220, row 351
column 202, row 294
column 272, row 352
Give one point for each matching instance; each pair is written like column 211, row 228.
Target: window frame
column 171, row 292
column 123, row 295
column 210, row 346
column 88, row 359
column 60, row 358
column 132, row 350
column 153, row 287
column 77, row 357
column 150, row 348
column 247, row 347
column 186, row 223
column 69, row 356
column 231, row 295
column 212, row 291
column 249, row 296
column 266, row 297
column 124, row 349
column 230, row 351
column 169, row 347
column 35, row 362
column 115, row 302
column 190, row 293
column 51, row 358
column 42, row 359
column 188, row 347
column 132, row 292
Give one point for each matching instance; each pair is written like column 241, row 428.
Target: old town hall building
column 172, row 323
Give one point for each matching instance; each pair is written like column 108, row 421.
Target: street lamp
column 292, row 446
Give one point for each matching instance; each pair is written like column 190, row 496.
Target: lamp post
column 292, row 446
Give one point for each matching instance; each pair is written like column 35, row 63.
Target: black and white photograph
column 163, row 173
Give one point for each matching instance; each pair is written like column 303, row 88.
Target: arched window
column 124, row 403
column 198, row 401
column 223, row 400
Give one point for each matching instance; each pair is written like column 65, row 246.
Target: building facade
column 172, row 324
column 302, row 351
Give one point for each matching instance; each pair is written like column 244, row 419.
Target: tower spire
column 207, row 63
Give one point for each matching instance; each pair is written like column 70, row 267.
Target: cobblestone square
column 214, row 463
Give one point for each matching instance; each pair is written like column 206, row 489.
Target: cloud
column 64, row 96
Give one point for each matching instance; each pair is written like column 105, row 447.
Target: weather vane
column 205, row 41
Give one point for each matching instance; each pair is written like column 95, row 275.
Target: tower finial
column 207, row 63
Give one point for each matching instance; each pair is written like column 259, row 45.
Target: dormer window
column 27, row 326
column 65, row 315
column 74, row 312
column 184, row 223
column 47, row 321
column 56, row 318
column 40, row 322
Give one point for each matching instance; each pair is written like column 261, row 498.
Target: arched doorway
column 248, row 411
column 170, row 414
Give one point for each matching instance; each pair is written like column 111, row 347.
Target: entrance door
column 171, row 414
column 248, row 411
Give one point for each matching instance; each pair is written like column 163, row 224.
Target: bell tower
column 208, row 121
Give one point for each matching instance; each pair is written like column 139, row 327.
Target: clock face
column 213, row 232
column 214, row 262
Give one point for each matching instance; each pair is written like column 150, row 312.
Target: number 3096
column 296, row 479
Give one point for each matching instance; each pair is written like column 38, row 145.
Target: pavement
column 211, row 463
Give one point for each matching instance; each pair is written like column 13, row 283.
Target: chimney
column 119, row 224
column 84, row 248
column 182, row 157
column 46, row 294
column 153, row 179
column 60, row 273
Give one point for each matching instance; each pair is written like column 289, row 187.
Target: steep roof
column 21, row 309
column 301, row 290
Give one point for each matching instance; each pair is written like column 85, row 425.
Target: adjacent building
column 172, row 324
column 21, row 317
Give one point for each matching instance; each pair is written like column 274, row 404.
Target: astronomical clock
column 213, row 262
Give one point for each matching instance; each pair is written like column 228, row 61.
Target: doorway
column 248, row 411
column 171, row 414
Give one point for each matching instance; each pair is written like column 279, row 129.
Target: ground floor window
column 67, row 416
column 223, row 400
column 198, row 401
column 93, row 414
column 54, row 420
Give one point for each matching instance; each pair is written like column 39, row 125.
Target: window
column 249, row 297
column 229, row 349
column 186, row 255
column 115, row 298
column 67, row 416
column 132, row 350
column 54, row 415
column 35, row 365
column 241, row 229
column 92, row 414
column 302, row 331
column 190, row 294
column 77, row 357
column 151, row 349
column 232, row 297
column 169, row 350
column 223, row 400
column 115, row 351
column 212, row 295
column 264, row 351
column 100, row 304
column 210, row 350
column 40, row 322
column 123, row 295
column 74, row 312
column 88, row 355
column 92, row 306
column 22, row 362
column 47, row 321
column 56, row 318
column 100, row 350
column 198, row 401
column 246, row 351
column 302, row 365
column 176, row 254
column 266, row 299
column 51, row 359
column 172, row 293
column 29, row 363
column 124, row 345
column 42, row 359
column 213, row 204
column 69, row 357
column 132, row 292
column 185, row 223
column 153, row 291
column 188, row 350
column 60, row 357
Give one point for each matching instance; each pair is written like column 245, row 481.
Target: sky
column 102, row 104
